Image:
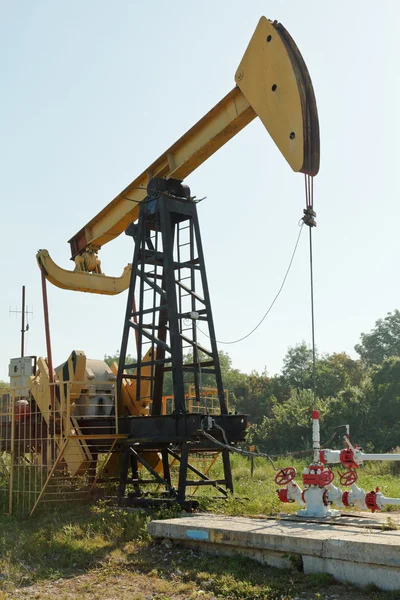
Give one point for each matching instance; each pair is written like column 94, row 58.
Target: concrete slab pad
column 351, row 553
column 382, row 521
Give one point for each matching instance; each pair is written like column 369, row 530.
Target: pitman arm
column 273, row 83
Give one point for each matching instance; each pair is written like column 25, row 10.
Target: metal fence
column 53, row 447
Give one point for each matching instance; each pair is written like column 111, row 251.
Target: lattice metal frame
column 170, row 282
column 168, row 296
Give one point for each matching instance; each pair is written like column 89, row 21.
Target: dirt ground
column 133, row 586
column 174, row 577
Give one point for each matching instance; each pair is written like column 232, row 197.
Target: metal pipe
column 12, row 453
column 333, row 456
column 316, row 436
column 384, row 500
column 392, row 457
column 48, row 339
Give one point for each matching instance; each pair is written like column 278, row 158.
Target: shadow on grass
column 64, row 543
column 236, row 577
column 72, row 541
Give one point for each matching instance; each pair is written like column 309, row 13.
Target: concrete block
column 356, row 573
column 351, row 553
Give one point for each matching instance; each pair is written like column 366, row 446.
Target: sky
column 94, row 91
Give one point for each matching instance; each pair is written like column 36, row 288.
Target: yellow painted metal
column 218, row 126
column 83, row 281
column 79, row 371
column 212, row 459
column 272, row 82
column 127, row 403
column 76, row 454
column 209, row 401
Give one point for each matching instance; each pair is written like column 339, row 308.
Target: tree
column 232, row 379
column 382, row 342
column 4, row 387
column 288, row 427
column 384, row 411
column 333, row 372
column 336, row 372
column 297, row 366
column 109, row 359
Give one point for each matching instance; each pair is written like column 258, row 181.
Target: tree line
column 363, row 392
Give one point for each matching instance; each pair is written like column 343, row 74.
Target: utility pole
column 23, row 322
column 24, row 315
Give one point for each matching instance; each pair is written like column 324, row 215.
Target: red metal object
column 21, row 410
column 345, row 498
column 347, row 459
column 78, row 243
column 370, row 500
column 319, row 476
column 325, row 498
column 283, row 495
column 285, row 476
column 322, row 456
column 348, row 478
column 315, row 414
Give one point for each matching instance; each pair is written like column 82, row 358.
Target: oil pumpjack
column 86, row 408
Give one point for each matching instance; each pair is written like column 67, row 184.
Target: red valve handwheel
column 285, row 476
column 327, row 477
column 348, row 478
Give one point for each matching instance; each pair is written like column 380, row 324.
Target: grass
column 80, row 552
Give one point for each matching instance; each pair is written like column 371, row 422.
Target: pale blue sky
column 93, row 91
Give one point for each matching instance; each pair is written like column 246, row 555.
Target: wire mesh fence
column 54, row 444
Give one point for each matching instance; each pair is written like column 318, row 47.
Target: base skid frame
column 174, row 437
column 171, row 429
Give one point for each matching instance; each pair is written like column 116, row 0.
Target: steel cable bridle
column 309, row 189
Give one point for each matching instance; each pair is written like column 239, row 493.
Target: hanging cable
column 273, row 301
column 313, row 320
column 251, row 453
column 309, row 220
column 227, row 446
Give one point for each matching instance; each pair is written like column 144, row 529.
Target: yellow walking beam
column 218, row 126
column 273, row 83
